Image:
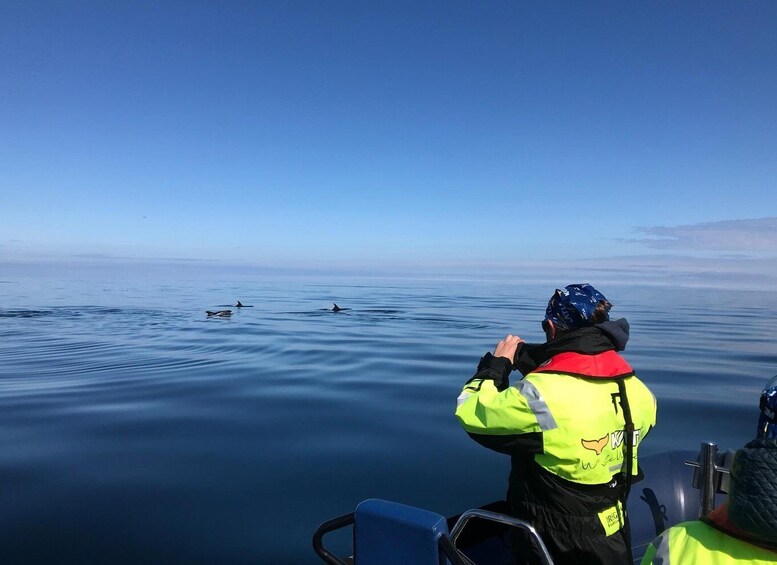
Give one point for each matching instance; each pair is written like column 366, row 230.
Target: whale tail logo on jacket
column 596, row 445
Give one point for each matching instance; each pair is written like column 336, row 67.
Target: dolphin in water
column 218, row 313
column 335, row 308
column 241, row 305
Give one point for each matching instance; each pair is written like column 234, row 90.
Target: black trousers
column 565, row 550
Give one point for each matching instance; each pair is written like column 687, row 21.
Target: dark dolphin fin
column 336, row 308
column 239, row 304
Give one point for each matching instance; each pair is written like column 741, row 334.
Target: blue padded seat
column 387, row 532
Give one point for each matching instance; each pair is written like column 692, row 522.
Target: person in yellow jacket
column 572, row 427
column 741, row 531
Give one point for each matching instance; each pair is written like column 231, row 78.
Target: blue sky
column 390, row 133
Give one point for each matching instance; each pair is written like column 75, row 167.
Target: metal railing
column 447, row 544
column 325, row 528
column 711, row 475
column 469, row 515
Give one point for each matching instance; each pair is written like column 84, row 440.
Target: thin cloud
column 129, row 258
column 747, row 273
column 732, row 236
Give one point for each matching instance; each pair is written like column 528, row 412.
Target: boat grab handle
column 325, row 528
column 544, row 554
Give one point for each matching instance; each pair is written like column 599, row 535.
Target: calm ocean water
column 134, row 429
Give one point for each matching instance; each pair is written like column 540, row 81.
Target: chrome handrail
column 501, row 519
column 708, row 471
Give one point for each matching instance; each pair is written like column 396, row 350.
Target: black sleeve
column 496, row 369
column 514, row 444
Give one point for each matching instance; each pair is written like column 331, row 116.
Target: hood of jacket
column 607, row 336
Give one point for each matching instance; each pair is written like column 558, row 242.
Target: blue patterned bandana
column 574, row 306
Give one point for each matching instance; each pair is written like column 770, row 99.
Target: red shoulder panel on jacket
column 607, row 365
